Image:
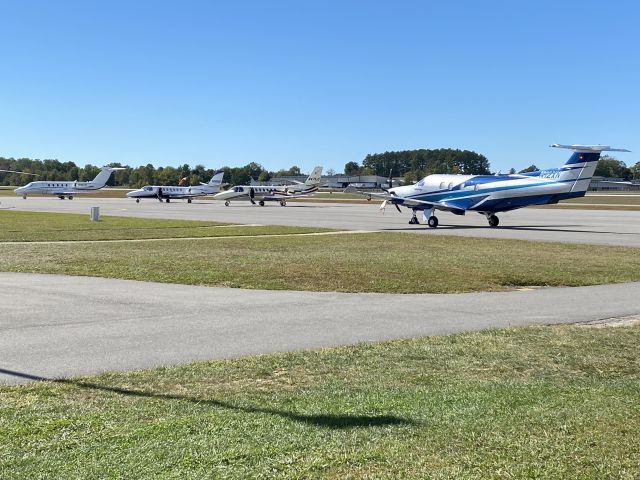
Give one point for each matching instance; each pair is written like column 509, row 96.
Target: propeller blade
column 397, row 207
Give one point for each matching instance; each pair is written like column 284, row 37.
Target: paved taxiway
column 612, row 227
column 63, row 326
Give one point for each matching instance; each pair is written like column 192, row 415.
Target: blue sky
column 302, row 83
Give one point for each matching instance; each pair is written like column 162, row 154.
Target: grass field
column 375, row 262
column 40, row 226
column 546, row 402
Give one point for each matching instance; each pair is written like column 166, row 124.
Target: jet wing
column 410, row 202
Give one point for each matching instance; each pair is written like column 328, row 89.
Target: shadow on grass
column 327, row 421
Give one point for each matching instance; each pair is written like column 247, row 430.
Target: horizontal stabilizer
column 590, row 148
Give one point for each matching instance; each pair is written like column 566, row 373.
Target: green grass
column 40, row 226
column 376, row 262
column 561, row 402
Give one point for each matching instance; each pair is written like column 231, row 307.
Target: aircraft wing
column 457, row 206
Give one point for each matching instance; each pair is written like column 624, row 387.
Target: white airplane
column 272, row 193
column 489, row 194
column 176, row 192
column 65, row 188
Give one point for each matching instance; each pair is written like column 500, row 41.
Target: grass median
column 42, row 226
column 546, row 402
column 364, row 262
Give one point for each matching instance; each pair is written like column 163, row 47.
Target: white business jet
column 65, row 188
column 167, row 192
column 272, row 193
column 489, row 194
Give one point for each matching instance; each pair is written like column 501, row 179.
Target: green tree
column 612, row 167
column 530, row 168
column 635, row 171
column 351, row 168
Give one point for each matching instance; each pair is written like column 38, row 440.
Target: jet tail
column 102, row 177
column 314, row 177
column 216, row 182
column 582, row 164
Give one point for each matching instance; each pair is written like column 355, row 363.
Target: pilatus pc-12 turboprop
column 490, row 194
column 168, row 192
column 260, row 194
column 65, row 188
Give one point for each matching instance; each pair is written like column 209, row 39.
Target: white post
column 95, row 214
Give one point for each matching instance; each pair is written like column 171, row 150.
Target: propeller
column 252, row 195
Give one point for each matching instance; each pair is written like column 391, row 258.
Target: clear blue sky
column 302, row 83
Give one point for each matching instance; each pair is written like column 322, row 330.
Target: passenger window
column 441, row 185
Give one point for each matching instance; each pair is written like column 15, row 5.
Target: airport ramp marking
column 171, row 239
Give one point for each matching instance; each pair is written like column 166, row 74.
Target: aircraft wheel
column 493, row 221
column 137, row 200
column 433, row 221
column 61, row 198
column 261, row 203
column 283, row 203
column 226, row 204
column 70, row 197
column 168, row 200
column 413, row 220
column 188, row 200
column 24, row 197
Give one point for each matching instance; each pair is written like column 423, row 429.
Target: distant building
column 607, row 184
column 337, row 181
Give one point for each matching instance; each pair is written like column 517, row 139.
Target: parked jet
column 272, row 193
column 490, row 194
column 67, row 189
column 176, row 192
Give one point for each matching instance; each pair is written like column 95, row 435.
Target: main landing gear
column 188, row 200
column 227, row 203
column 492, row 219
column 261, row 203
column 283, row 203
column 137, row 200
column 61, row 197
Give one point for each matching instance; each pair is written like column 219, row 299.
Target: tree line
column 133, row 177
column 410, row 164
column 415, row 164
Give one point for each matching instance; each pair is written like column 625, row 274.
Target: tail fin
column 314, row 177
column 216, row 181
column 102, row 177
column 581, row 165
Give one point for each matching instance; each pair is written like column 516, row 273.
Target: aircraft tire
column 283, row 203
column 168, row 200
column 137, row 200
column 70, row 197
column 188, row 200
column 433, row 221
column 493, row 221
column 227, row 203
column 261, row 203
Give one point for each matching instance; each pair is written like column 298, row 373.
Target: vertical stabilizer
column 582, row 164
column 314, row 177
column 102, row 177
